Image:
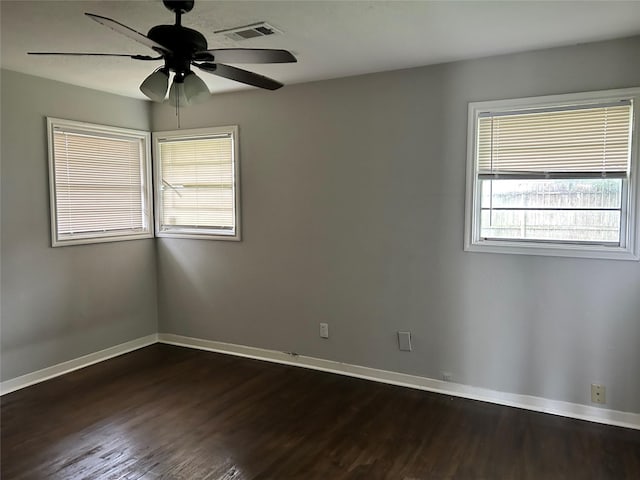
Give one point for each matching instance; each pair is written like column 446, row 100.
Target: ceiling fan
column 181, row 48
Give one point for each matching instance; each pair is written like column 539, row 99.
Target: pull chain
column 178, row 109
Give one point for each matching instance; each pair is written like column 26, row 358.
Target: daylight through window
column 553, row 176
column 197, row 187
column 99, row 182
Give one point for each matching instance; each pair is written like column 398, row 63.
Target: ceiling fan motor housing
column 183, row 42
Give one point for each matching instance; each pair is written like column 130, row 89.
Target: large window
column 554, row 175
column 99, row 183
column 197, row 187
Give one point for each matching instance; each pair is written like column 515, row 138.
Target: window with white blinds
column 197, row 187
column 554, row 175
column 99, row 182
column 574, row 141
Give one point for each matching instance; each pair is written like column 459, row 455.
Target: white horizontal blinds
column 198, row 183
column 569, row 141
column 98, row 184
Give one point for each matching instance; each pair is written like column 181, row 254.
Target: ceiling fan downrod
column 179, row 7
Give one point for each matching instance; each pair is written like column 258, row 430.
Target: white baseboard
column 38, row 376
column 538, row 404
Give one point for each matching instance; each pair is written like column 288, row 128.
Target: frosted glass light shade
column 155, row 85
column 195, row 89
column 177, row 96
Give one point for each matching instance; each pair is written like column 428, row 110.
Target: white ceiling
column 330, row 38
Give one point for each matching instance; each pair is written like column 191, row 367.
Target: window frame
column 105, row 131
column 628, row 248
column 202, row 234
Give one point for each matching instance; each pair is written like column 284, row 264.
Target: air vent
column 254, row 30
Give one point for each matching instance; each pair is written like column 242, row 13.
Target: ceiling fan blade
column 240, row 75
column 245, row 55
column 129, row 32
column 80, row 54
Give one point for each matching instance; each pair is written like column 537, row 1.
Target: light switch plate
column 324, row 330
column 404, row 341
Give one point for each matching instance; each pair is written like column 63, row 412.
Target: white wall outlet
column 324, row 330
column 598, row 393
column 404, row 341
column 447, row 376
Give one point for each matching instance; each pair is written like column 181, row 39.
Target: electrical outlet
column 598, row 393
column 324, row 330
column 446, row 376
column 404, row 341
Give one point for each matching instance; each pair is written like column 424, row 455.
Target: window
column 99, row 183
column 554, row 175
column 197, row 187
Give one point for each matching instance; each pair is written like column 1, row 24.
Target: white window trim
column 146, row 177
column 197, row 234
column 472, row 240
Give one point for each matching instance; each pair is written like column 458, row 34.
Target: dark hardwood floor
column 175, row 413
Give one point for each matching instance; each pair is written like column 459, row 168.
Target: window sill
column 552, row 250
column 87, row 240
column 200, row 235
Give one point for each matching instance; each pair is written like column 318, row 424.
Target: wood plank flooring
column 166, row 412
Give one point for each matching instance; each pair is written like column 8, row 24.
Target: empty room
column 309, row 240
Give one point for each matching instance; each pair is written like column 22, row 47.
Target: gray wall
column 353, row 203
column 353, row 213
column 61, row 303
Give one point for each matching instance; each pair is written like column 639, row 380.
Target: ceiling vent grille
column 245, row 32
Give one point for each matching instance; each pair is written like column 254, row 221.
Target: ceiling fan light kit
column 177, row 96
column 181, row 48
column 188, row 90
column 155, row 85
column 195, row 90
